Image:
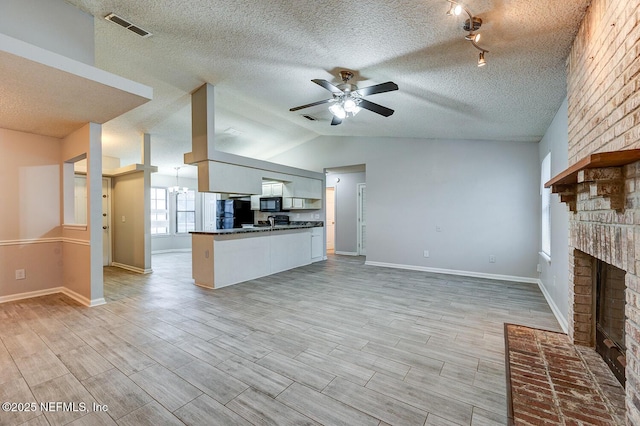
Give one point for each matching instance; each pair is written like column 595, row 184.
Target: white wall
column 346, row 209
column 482, row 195
column 50, row 24
column 555, row 274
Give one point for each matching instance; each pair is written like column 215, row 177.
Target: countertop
column 292, row 225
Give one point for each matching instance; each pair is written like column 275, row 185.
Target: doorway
column 106, row 221
column 331, row 219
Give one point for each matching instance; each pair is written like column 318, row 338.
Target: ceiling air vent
column 128, row 25
column 309, row 117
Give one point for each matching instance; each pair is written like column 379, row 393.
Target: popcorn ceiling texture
column 261, row 56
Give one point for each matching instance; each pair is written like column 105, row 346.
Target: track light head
column 481, row 61
column 472, row 37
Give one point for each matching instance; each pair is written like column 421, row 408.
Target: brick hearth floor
column 551, row 381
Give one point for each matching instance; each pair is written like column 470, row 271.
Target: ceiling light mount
column 471, row 25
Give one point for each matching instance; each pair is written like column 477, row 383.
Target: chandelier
column 177, row 189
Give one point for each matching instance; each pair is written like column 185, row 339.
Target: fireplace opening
column 610, row 317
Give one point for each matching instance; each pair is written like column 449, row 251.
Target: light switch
column 124, row 219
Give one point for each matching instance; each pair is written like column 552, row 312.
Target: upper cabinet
column 272, row 189
column 302, row 187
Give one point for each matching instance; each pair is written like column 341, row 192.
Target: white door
column 330, row 221
column 362, row 219
column 106, row 221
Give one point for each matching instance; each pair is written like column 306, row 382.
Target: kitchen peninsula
column 229, row 256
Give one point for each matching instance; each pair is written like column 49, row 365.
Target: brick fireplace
column 602, row 184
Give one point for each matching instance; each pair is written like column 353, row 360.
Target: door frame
column 362, row 251
column 109, row 245
column 334, row 190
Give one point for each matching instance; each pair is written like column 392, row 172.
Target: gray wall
column 346, row 215
column 52, row 24
column 555, row 274
column 461, row 200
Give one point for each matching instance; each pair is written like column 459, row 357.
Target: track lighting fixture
column 481, row 61
column 471, row 25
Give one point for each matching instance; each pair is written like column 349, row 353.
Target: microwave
column 271, row 204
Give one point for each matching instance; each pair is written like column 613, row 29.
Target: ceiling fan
column 347, row 99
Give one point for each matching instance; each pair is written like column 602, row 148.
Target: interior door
column 330, row 221
column 362, row 219
column 106, row 221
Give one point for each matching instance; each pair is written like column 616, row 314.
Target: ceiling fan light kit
column 348, row 100
column 471, row 25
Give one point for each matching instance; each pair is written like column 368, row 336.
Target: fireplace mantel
column 602, row 172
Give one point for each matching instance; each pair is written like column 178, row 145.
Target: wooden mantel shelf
column 595, row 161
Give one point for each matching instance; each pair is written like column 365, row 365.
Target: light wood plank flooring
column 333, row 343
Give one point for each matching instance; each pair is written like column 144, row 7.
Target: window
column 159, row 212
column 186, row 211
column 545, row 176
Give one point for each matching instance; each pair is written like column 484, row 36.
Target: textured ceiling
column 261, row 56
column 37, row 85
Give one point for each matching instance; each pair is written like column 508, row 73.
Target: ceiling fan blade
column 335, row 121
column 330, row 87
column 311, row 104
column 378, row 109
column 378, row 88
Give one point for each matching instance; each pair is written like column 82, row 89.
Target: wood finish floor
column 333, row 343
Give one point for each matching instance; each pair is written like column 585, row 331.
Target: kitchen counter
column 261, row 228
column 229, row 256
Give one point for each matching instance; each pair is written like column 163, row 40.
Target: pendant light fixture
column 471, row 25
column 177, row 189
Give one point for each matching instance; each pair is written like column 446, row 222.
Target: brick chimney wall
column 603, row 72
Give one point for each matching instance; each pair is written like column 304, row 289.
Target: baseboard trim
column 30, row 294
column 185, row 250
column 498, row 277
column 346, row 253
column 131, row 268
column 554, row 308
column 81, row 299
column 39, row 293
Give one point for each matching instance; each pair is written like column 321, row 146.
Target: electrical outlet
column 20, row 274
column 426, row 253
column 492, row 258
column 539, row 268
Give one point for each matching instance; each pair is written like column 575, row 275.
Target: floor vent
column 126, row 24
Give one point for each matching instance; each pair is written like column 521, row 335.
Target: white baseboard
column 38, row 293
column 30, row 294
column 512, row 278
column 183, row 250
column 347, row 253
column 554, row 308
column 131, row 268
column 81, row 299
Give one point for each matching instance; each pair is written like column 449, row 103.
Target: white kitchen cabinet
column 272, row 189
column 228, row 178
column 307, row 188
column 301, row 204
column 317, row 244
column 255, row 202
column 219, row 260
